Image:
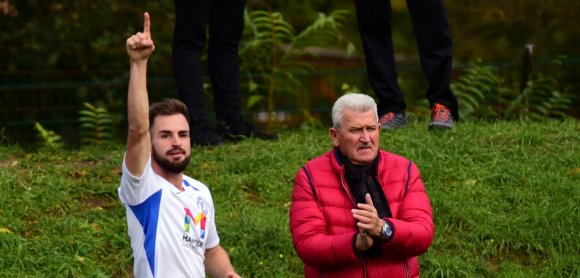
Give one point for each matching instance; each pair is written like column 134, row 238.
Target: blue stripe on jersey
column 187, row 184
column 148, row 215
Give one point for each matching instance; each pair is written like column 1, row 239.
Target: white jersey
column 169, row 229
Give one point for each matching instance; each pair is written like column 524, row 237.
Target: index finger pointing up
column 146, row 23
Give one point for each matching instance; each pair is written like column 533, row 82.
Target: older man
column 358, row 211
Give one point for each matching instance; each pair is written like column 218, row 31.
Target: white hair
column 354, row 101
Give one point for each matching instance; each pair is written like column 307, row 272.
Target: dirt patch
column 7, row 163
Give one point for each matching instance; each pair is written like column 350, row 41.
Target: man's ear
column 334, row 136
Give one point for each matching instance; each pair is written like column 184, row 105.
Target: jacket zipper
column 350, row 197
column 364, row 268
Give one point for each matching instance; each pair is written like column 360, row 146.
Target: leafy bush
column 270, row 52
column 481, row 93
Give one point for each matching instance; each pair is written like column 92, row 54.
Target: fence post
column 527, row 66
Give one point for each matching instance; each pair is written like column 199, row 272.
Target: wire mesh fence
column 54, row 99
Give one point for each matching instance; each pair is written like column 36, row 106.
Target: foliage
column 502, row 206
column 348, row 88
column 49, row 139
column 499, row 29
column 473, row 88
column 80, row 61
column 481, row 93
column 74, row 41
column 492, row 30
column 272, row 52
column 540, row 99
column 96, row 125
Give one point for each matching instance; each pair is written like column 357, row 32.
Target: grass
column 505, row 196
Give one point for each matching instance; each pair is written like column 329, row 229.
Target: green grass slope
column 505, row 196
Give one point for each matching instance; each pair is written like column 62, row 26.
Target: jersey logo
column 199, row 218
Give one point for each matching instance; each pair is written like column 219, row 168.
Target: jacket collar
column 339, row 158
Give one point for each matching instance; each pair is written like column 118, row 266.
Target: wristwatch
column 386, row 230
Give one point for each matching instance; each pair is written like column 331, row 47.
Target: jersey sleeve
column 134, row 190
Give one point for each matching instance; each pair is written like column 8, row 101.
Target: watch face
column 387, row 231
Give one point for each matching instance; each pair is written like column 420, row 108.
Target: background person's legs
column 435, row 50
column 374, row 25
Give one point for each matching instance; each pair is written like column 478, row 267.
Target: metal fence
column 54, row 99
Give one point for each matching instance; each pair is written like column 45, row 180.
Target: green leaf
column 253, row 100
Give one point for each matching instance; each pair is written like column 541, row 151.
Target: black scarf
column 361, row 179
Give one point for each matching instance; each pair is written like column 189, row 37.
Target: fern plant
column 475, row 90
column 481, row 94
column 49, row 139
column 96, row 125
column 539, row 100
column 270, row 48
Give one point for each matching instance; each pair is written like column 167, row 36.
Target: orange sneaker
column 441, row 117
column 393, row 120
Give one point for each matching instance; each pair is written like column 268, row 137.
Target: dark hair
column 167, row 107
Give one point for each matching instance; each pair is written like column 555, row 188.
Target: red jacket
column 323, row 228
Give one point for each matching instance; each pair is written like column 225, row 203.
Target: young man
column 359, row 211
column 170, row 216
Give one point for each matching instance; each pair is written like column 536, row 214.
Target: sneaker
column 241, row 130
column 393, row 120
column 204, row 135
column 441, row 117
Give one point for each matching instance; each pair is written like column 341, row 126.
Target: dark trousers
column 435, row 51
column 223, row 20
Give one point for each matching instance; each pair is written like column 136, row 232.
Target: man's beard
column 170, row 166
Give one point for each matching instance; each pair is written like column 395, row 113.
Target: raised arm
column 139, row 48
